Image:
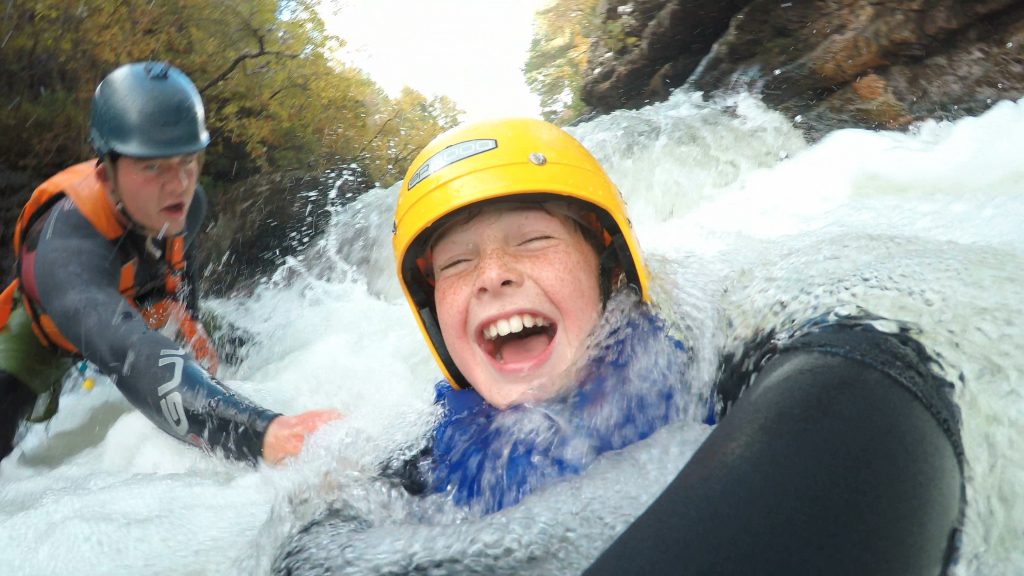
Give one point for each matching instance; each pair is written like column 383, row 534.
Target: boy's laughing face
column 517, row 295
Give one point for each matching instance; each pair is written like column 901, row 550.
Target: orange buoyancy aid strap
column 7, row 302
column 126, row 284
column 156, row 315
column 93, row 200
column 79, row 182
column 190, row 332
column 193, row 335
column 174, row 252
column 46, row 330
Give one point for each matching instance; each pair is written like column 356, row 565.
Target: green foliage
column 558, row 56
column 401, row 128
column 275, row 98
column 615, row 38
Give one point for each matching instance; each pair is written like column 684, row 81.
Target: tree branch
column 242, row 58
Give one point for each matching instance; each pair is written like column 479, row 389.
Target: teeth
column 513, row 324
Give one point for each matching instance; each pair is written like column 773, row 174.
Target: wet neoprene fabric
column 842, row 457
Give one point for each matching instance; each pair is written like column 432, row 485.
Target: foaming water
column 746, row 229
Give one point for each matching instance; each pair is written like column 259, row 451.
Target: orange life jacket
column 89, row 195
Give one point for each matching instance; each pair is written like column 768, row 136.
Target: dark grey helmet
column 147, row 110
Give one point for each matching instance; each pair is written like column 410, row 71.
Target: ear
column 103, row 173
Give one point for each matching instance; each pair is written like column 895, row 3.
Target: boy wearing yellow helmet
column 510, row 241
column 501, row 163
column 517, row 258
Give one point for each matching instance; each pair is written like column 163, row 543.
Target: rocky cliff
column 832, row 63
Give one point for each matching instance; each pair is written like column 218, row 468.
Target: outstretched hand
column 286, row 434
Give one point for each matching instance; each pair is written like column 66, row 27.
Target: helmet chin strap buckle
column 130, row 223
column 152, row 248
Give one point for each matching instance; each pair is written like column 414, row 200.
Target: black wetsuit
column 76, row 275
column 842, row 456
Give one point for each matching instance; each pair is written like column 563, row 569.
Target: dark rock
column 832, row 63
column 673, row 37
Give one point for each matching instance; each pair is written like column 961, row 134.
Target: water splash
column 745, row 229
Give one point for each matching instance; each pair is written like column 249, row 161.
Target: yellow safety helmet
column 512, row 159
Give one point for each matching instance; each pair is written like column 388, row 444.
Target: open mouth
column 176, row 209
column 518, row 338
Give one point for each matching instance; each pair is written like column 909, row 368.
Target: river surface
column 745, row 228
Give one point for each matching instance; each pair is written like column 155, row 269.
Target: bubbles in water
column 920, row 228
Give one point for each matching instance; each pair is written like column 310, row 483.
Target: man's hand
column 286, row 434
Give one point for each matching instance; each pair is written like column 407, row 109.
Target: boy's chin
column 540, row 390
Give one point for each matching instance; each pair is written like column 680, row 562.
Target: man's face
column 157, row 192
column 517, row 295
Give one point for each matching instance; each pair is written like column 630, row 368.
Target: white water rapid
column 744, row 226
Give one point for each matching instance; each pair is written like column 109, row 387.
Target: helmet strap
column 608, row 263
column 109, row 160
column 615, row 268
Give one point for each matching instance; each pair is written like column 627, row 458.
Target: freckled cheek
column 451, row 310
column 582, row 287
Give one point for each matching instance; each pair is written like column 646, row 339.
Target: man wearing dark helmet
column 105, row 271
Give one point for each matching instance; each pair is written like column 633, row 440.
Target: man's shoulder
column 64, row 220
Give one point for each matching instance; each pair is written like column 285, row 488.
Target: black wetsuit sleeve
column 841, row 456
column 410, row 468
column 76, row 272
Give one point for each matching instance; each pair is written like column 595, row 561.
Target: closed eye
column 537, row 238
column 452, row 264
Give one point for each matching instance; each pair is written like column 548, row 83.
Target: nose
column 178, row 176
column 497, row 270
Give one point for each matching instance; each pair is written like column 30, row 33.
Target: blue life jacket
column 632, row 386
